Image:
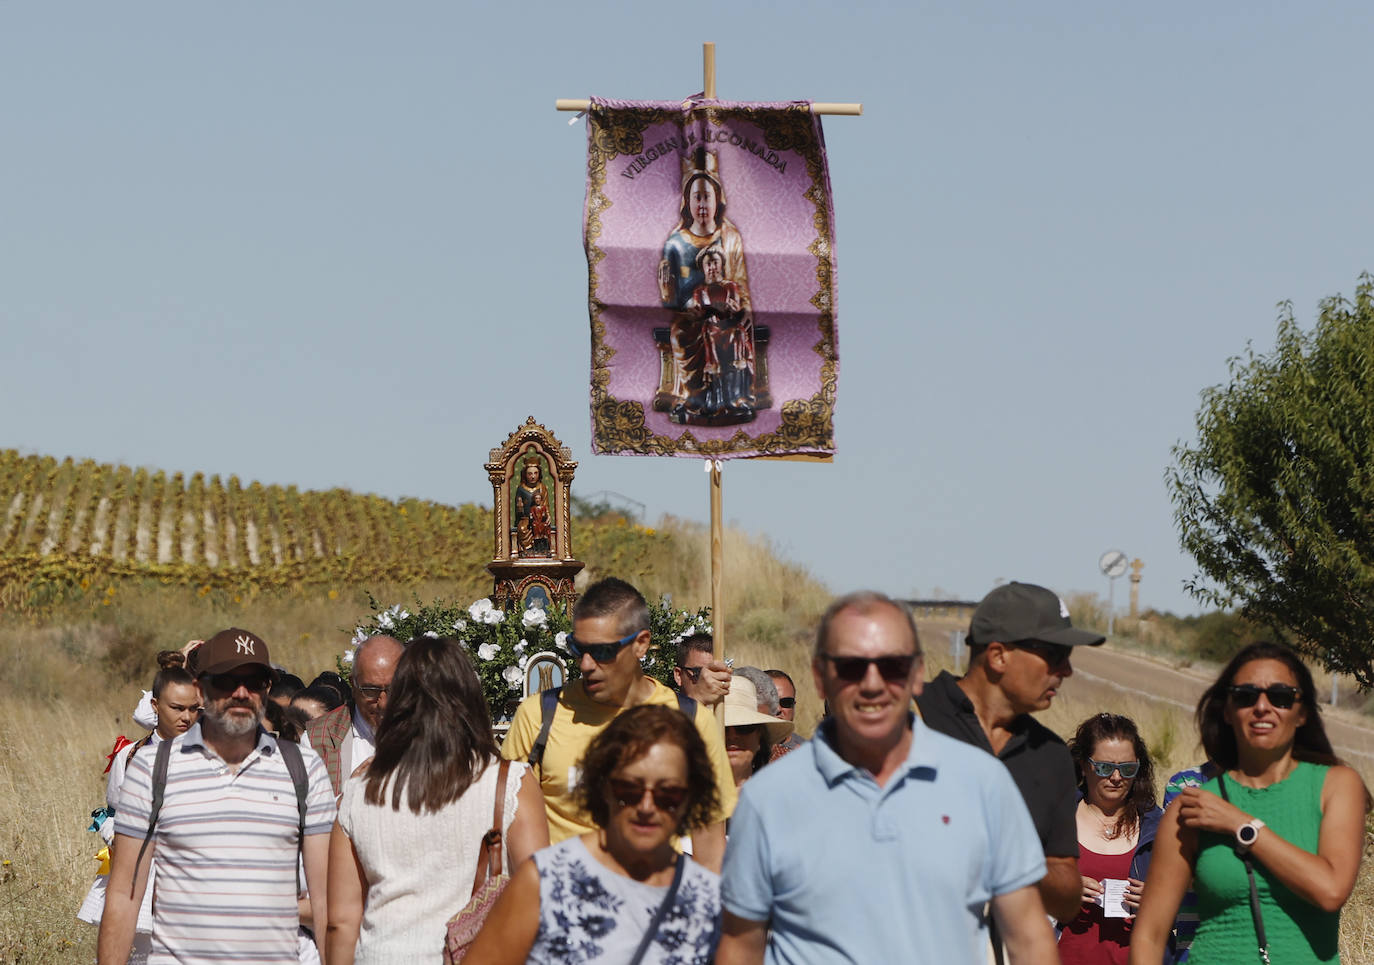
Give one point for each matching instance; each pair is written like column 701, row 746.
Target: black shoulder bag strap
column 657, row 920
column 295, row 766
column 1249, row 862
column 164, row 754
column 548, row 706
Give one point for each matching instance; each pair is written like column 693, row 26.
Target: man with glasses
column 610, row 637
column 1020, row 641
column 698, row 673
column 346, row 736
column 880, row 840
column 226, row 828
column 787, row 710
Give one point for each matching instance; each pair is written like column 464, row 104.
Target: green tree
column 1275, row 501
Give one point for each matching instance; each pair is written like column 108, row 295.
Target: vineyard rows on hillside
column 78, row 522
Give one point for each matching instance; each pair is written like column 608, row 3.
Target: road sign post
column 1113, row 565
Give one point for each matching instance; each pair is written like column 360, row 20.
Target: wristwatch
column 1247, row 833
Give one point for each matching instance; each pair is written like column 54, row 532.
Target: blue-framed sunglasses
column 600, row 652
column 1128, row 769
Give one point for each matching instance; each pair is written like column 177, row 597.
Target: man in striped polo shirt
column 228, row 831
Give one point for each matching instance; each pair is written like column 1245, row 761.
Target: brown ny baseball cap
column 230, row 649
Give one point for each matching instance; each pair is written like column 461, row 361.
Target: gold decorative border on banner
column 618, row 426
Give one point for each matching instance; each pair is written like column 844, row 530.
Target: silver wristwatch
column 1247, row 833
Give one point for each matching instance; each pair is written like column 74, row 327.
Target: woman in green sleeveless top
column 1287, row 802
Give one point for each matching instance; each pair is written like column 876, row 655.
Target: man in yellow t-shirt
column 610, row 636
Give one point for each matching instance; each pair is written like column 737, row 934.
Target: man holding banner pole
column 610, row 637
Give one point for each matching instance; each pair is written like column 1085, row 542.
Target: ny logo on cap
column 244, row 644
column 1063, row 608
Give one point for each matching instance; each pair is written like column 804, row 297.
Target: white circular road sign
column 1113, row 563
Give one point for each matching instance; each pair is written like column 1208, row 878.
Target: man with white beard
column 226, row 827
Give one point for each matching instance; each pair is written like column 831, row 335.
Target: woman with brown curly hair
column 620, row 893
column 1117, row 818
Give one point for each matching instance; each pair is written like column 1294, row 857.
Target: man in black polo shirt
column 1019, row 641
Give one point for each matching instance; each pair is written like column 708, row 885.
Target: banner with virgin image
column 710, row 246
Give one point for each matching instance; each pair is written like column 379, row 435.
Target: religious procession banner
column 710, row 245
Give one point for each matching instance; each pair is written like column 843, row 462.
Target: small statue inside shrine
column 533, row 531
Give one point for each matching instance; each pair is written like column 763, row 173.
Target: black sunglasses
column 853, row 669
column 1053, row 654
column 630, row 793
column 787, row 703
column 1281, row 696
column 601, row 652
column 230, row 682
column 693, row 673
column 1128, row 769
column 372, row 693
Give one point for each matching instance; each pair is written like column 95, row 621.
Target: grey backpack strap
column 164, row 755
column 548, row 706
column 295, row 766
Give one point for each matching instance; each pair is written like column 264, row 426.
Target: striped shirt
column 226, row 849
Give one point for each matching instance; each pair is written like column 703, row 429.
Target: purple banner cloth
column 710, row 246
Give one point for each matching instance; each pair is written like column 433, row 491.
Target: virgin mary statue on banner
column 703, row 279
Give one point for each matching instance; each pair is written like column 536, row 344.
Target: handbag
column 487, row 883
column 1254, row 892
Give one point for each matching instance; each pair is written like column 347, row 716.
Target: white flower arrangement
column 534, row 617
column 500, row 649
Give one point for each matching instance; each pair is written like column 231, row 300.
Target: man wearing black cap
column 1020, row 640
column 219, row 807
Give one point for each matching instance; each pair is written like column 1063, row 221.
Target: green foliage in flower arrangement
column 500, row 642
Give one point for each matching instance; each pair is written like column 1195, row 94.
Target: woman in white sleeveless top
column 404, row 850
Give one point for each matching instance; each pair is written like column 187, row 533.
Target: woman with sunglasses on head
column 1117, row 819
column 1273, row 843
column 621, row 893
column 404, row 852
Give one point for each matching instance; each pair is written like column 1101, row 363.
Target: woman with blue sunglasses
column 1273, row 843
column 1117, row 818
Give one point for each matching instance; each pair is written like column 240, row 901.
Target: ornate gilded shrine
column 531, row 480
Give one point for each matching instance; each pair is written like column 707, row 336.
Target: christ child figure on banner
column 727, row 338
column 533, row 533
column 701, row 225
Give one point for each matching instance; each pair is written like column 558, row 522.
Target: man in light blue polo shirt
column 881, row 841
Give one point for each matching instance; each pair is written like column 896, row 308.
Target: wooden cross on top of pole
column 708, row 87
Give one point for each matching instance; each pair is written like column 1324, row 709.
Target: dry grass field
column 72, row 680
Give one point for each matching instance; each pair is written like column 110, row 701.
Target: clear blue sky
column 339, row 244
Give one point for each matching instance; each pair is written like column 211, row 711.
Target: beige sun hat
column 742, row 709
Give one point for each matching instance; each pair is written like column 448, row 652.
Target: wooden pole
column 708, row 70
column 717, row 577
